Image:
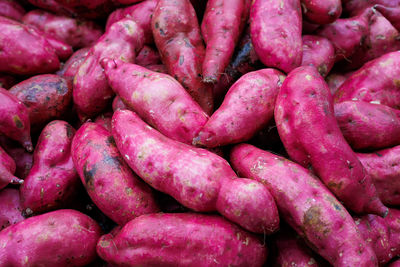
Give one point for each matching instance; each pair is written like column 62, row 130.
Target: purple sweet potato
column 308, row 129
column 181, row 239
column 14, row 119
column 276, row 33
column 140, row 13
column 118, row 104
column 10, row 208
column 77, row 33
column 47, row 97
column 53, row 6
column 307, row 205
column 368, row 126
column 157, row 98
column 91, row 92
column 72, row 65
column 321, row 11
column 62, row 50
column 334, row 81
column 246, row 109
column 354, row 7
column 59, row 238
column 7, row 169
column 391, row 13
column 202, row 181
column 7, row 81
column 112, row 186
column 147, row 56
column 377, row 82
column 24, row 51
column 104, row 120
column 383, row 167
column 11, row 9
column 318, row 52
column 177, row 35
column 53, row 181
column 382, row 234
column 222, row 24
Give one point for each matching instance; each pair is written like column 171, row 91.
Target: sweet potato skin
column 10, row 208
column 47, row 97
column 368, row 126
column 391, row 13
column 147, row 56
column 71, row 66
column 112, row 186
column 91, row 92
column 318, row 52
column 247, row 108
column 180, row 240
column 23, row 160
column 23, row 44
column 11, row 9
column 308, row 129
column 58, row 238
column 7, row 169
column 104, row 120
column 158, row 98
column 321, row 11
column 276, row 33
column 177, row 36
column 382, row 166
column 334, row 81
column 307, row 205
column 377, row 81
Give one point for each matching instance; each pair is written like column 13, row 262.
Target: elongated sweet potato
column 391, row 13
column 46, row 96
column 77, row 33
column 309, row 131
column 307, row 205
column 334, row 81
column 26, row 52
column 147, row 56
column 112, row 186
column 157, row 98
column 202, row 181
column 10, row 208
column 276, row 33
column 321, row 11
column 91, row 93
column 177, row 35
column 181, row 240
column 58, row 238
column 7, row 81
column 11, row 9
column 222, row 24
column 368, row 126
column 377, row 82
column 7, row 169
column 383, row 167
column 104, row 120
column 246, row 109
column 14, row 119
column 318, row 52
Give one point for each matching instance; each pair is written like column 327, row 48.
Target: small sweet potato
column 321, row 11
column 307, row 205
column 7, row 169
column 59, row 238
column 14, row 119
column 185, row 239
column 247, row 108
column 276, row 33
column 10, row 208
column 71, row 66
column 7, row 81
column 309, row 131
column 11, row 9
column 91, row 93
column 391, row 13
column 147, row 56
column 177, row 35
column 318, row 52
column 158, row 98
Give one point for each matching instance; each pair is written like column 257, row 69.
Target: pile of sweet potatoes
column 199, row 133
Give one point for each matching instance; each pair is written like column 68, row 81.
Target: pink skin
column 383, row 167
column 247, row 108
column 11, row 9
column 7, row 81
column 321, row 11
column 391, row 13
column 159, row 99
column 368, row 126
column 147, row 56
column 382, row 234
column 10, row 208
column 354, row 7
column 276, row 33
column 111, row 185
column 221, row 27
column 318, row 52
column 104, row 120
column 14, row 119
column 21, row 43
column 76, row 33
column 307, row 205
column 53, row 180
column 59, row 238
column 377, row 82
column 89, row 9
column 209, row 183
column 7, row 169
column 70, row 68
column 177, row 36
column 91, row 92
column 311, row 135
column 62, row 50
column 118, row 104
column 181, row 239
column 334, row 81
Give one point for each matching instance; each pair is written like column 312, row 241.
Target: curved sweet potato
column 308, row 128
column 321, row 11
column 147, row 56
column 7, row 169
column 11, row 9
column 10, row 208
column 318, row 52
